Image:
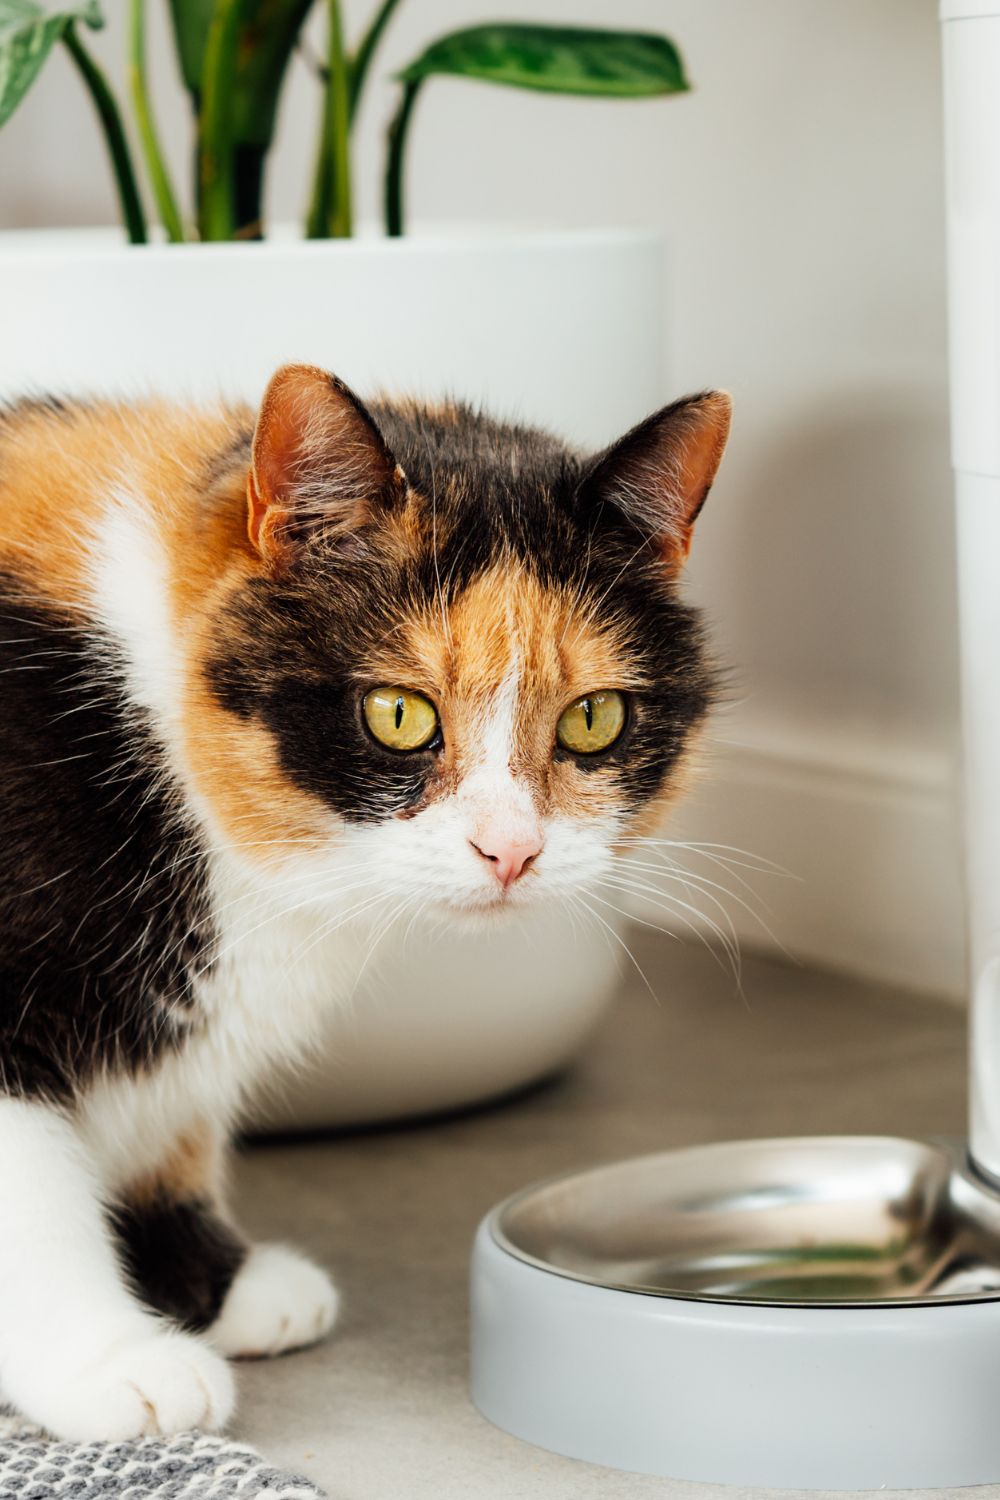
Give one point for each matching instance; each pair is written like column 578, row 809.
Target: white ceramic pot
column 560, row 329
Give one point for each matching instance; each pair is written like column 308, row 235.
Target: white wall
column 801, row 187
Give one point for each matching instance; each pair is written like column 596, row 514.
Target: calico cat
column 261, row 677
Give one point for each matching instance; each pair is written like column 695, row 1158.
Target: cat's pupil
column 588, row 713
column 399, row 711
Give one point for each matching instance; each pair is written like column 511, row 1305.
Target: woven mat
column 190, row 1466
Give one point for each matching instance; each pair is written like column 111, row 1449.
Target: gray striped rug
column 190, row 1466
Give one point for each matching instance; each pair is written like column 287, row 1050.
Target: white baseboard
column 870, row 833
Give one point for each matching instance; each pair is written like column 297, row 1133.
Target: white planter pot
column 560, row 329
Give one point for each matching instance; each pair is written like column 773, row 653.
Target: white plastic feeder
column 818, row 1313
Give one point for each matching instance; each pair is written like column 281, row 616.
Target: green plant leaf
column 268, row 35
column 245, row 101
column 556, row 60
column 268, row 32
column 28, row 32
column 191, row 20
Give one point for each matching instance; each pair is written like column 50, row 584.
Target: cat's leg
column 79, row 1354
column 181, row 1255
column 279, row 1300
column 189, row 1262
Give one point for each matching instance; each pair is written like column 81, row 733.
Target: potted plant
column 559, row 328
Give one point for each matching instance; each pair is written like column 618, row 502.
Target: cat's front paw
column 278, row 1301
column 150, row 1384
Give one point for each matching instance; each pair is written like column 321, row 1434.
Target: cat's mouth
column 488, row 908
column 490, row 905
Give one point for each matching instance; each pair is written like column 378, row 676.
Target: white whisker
column 617, row 937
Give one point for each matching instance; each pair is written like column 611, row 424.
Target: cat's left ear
column 658, row 475
column 319, row 463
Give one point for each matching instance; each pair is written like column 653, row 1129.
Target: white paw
column 278, row 1301
column 156, row 1382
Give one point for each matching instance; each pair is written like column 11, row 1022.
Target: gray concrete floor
column 381, row 1412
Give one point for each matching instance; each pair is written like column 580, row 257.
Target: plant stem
column 159, row 178
column 318, row 215
column 248, row 187
column 114, row 135
column 330, row 210
column 216, row 196
column 366, row 48
column 395, row 159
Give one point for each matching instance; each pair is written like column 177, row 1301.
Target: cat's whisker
column 701, row 883
column 335, row 923
column 418, row 912
column 644, row 890
column 757, row 862
column 326, row 883
column 731, row 868
column 715, row 940
column 726, row 935
column 589, row 917
column 327, row 891
column 376, row 941
column 281, row 913
column 705, row 886
column 731, row 954
column 288, row 842
column 617, row 937
column 668, row 869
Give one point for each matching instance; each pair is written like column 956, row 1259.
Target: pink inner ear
column 258, row 512
column 699, row 456
column 660, row 473
column 278, row 444
column 317, row 459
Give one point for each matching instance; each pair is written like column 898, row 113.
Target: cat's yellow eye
column 592, row 723
column 400, row 719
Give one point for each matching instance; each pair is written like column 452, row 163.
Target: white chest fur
column 276, row 970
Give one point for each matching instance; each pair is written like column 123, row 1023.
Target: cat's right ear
column 319, row 463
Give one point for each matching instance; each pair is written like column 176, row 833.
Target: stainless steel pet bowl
column 816, row 1313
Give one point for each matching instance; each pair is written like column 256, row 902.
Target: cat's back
column 67, row 468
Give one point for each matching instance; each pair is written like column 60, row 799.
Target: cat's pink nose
column 508, row 857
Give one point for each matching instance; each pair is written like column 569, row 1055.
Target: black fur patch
column 236, row 455
column 102, row 910
column 48, row 405
column 180, row 1257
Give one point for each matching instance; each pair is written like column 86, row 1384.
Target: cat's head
column 455, row 659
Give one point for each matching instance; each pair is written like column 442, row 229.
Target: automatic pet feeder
column 816, row 1313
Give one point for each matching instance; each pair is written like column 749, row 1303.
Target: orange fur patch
column 191, row 1170
column 58, row 473
column 235, row 768
column 459, row 658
